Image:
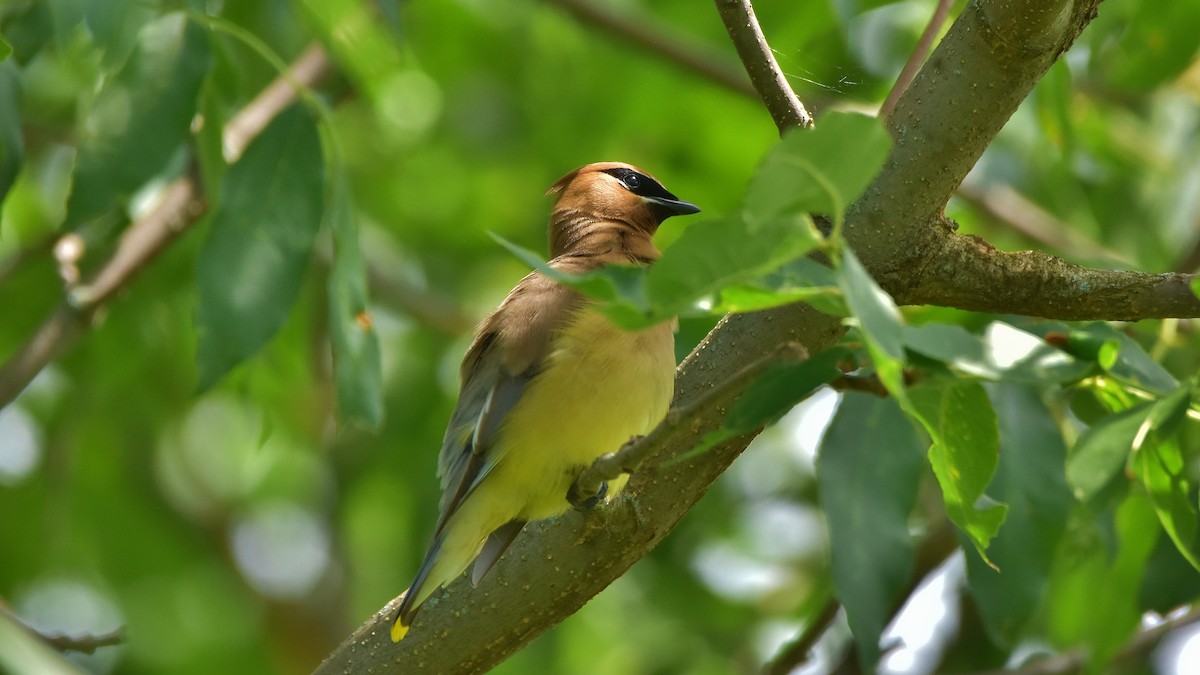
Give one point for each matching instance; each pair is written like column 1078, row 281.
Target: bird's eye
column 631, row 181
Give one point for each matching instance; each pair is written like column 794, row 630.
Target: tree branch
column 765, row 74
column 181, row 205
column 658, row 40
column 913, row 64
column 554, row 567
column 1131, row 655
column 968, row 273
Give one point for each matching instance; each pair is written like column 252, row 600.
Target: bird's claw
column 587, row 503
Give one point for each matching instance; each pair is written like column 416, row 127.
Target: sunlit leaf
column 251, row 266
column 1161, row 468
column 869, row 467
column 703, row 260
column 819, row 170
column 966, row 439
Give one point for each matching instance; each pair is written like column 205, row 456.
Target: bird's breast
column 599, row 386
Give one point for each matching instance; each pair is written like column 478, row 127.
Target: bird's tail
column 416, row 593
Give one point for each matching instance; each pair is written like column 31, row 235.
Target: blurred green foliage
column 247, row 523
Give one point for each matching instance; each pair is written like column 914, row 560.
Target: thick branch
column 181, row 205
column 966, row 272
column 765, row 74
column 980, row 72
column 556, row 566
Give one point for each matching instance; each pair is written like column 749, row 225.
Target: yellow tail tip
column 399, row 630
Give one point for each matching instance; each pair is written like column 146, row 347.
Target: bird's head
column 609, row 192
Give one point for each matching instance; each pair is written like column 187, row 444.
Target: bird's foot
column 587, row 502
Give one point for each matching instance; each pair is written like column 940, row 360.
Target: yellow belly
column 600, row 386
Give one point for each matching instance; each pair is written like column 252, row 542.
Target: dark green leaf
column 1102, row 450
column 819, row 170
column 115, row 24
column 356, row 361
column 1169, row 411
column 251, row 266
column 11, row 146
column 1031, row 480
column 141, row 117
column 869, row 468
column 1170, row 580
column 780, row 388
column 966, row 439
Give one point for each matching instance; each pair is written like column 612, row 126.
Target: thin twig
column 795, row 653
column 918, row 56
column 659, row 40
column 756, row 55
column 678, row 421
column 935, row 547
column 1132, row 654
column 181, row 205
column 86, row 644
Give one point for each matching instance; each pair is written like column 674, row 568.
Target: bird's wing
column 508, row 351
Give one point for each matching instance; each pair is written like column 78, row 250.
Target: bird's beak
column 668, row 207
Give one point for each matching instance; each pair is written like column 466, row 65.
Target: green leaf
column 966, row 439
column 1092, row 600
column 11, row 146
column 6, row 49
column 1122, row 356
column 141, row 117
column 356, row 361
column 713, row 254
column 819, row 170
column 869, row 468
column 800, row 280
column 1169, row 411
column 878, row 317
column 253, row 262
column 1031, row 480
column 1162, row 470
column 1003, row 352
column 1102, row 450
column 621, row 289
column 700, row 263
column 114, row 25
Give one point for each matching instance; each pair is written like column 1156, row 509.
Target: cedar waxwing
column 549, row 384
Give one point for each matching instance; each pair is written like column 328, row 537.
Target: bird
column 549, row 383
